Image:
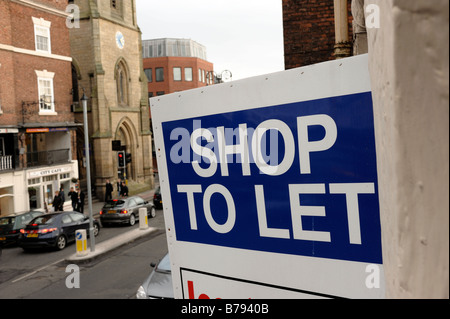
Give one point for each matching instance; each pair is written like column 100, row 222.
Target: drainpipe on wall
column 343, row 46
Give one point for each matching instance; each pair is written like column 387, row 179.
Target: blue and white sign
column 291, row 178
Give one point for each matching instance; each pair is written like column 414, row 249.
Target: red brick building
column 37, row 127
column 174, row 65
column 309, row 31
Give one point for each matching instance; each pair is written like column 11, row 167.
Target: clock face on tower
column 120, row 40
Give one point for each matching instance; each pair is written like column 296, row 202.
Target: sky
column 242, row 36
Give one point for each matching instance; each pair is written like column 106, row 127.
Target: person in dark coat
column 108, row 191
column 124, row 190
column 63, row 198
column 56, row 202
column 119, row 187
column 73, row 197
column 80, row 202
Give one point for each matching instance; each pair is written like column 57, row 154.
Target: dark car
column 157, row 200
column 55, row 230
column 11, row 225
column 125, row 211
column 159, row 284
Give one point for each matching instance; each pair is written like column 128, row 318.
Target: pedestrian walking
column 124, row 190
column 80, row 202
column 74, row 198
column 63, row 198
column 56, row 202
column 108, row 191
column 119, row 187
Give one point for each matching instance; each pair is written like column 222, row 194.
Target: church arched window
column 122, row 84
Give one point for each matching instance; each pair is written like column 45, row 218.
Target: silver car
column 159, row 284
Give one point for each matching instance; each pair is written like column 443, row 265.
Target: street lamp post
column 84, row 100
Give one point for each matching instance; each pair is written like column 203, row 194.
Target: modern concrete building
column 173, row 65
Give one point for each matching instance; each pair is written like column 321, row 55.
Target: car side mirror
column 153, row 265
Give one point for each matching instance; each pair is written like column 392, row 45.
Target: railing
column 47, row 158
column 6, row 163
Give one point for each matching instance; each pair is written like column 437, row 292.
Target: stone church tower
column 107, row 64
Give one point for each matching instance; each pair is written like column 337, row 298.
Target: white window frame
column 42, row 26
column 188, row 76
column 177, row 74
column 48, row 77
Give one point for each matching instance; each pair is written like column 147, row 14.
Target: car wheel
column 132, row 220
column 61, row 242
column 96, row 230
column 152, row 212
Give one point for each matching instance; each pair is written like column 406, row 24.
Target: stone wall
column 408, row 57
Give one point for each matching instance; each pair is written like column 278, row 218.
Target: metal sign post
column 84, row 100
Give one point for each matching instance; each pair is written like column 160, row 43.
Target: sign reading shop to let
column 270, row 185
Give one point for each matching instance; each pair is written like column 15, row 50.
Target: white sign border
column 329, row 79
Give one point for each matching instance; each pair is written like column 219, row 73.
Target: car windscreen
column 114, row 203
column 164, row 264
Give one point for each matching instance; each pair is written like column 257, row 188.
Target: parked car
column 125, row 211
column 55, row 230
column 11, row 225
column 157, row 200
column 159, row 284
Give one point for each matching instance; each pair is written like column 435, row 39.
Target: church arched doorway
column 126, row 135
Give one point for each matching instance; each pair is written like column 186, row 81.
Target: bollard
column 143, row 219
column 81, row 238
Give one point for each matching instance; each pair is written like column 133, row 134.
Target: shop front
column 42, row 185
column 34, row 163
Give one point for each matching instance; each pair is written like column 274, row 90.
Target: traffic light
column 121, row 159
column 128, row 158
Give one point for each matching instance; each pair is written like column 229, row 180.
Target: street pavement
column 116, row 242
